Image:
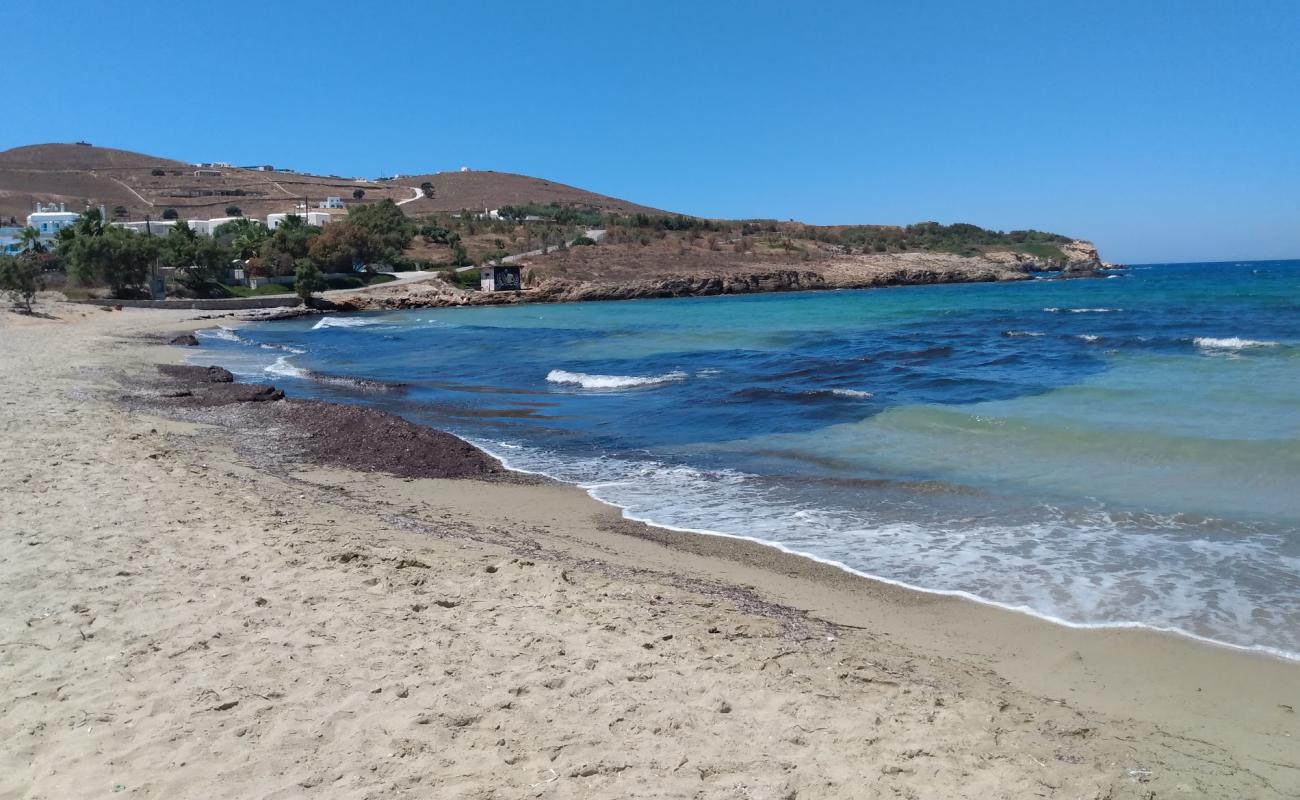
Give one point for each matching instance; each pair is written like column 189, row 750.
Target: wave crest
column 1229, row 343
column 611, row 381
column 342, row 322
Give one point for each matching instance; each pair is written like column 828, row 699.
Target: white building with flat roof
column 153, row 227
column 316, row 218
column 49, row 220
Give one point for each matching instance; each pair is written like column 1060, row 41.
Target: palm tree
column 30, row 240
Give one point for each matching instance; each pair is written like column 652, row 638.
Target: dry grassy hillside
column 81, row 175
column 477, row 190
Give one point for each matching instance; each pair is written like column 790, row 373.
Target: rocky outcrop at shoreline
column 831, row 272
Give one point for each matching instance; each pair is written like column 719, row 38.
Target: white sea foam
column 221, row 332
column 1088, row 337
column 851, row 393
column 284, row 348
column 1229, row 343
column 1073, row 566
column 1082, row 310
column 611, row 381
column 342, row 322
column 282, row 367
column 1018, row 334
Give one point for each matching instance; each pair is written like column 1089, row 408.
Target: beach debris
column 552, row 778
column 446, row 603
column 406, row 563
column 724, row 707
column 185, row 340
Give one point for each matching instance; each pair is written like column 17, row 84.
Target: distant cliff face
column 1081, row 258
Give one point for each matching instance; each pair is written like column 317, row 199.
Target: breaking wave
column 342, row 322
column 610, row 381
column 282, row 367
column 1229, row 343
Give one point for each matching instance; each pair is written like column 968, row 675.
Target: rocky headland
column 581, row 274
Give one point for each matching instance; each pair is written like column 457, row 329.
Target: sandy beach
column 188, row 612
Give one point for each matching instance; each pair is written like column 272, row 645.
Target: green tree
column 357, row 194
column 120, row 212
column 21, row 279
column 243, row 236
column 198, row 260
column 234, row 211
column 290, row 242
column 386, row 222
column 306, row 280
column 116, row 257
column 170, row 213
column 459, row 256
column 343, row 246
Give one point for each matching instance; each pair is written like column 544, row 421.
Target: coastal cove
column 968, row 440
column 669, row 628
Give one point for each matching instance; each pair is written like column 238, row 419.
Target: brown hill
column 83, row 175
column 485, row 189
column 73, row 157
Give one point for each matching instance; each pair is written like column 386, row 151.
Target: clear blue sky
column 1160, row 130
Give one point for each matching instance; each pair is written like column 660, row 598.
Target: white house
column 331, row 202
column 48, row 220
column 317, row 218
column 208, row 227
column 156, row 227
column 213, row 224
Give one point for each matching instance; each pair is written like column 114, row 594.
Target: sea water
column 1114, row 451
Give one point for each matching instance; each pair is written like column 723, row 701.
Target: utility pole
column 156, row 291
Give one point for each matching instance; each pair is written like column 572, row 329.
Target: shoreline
column 1259, row 650
column 813, row 565
column 1112, row 709
column 956, row 594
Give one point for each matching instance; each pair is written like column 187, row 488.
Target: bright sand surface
column 179, row 622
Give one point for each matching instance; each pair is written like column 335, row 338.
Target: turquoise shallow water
column 1120, row 451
